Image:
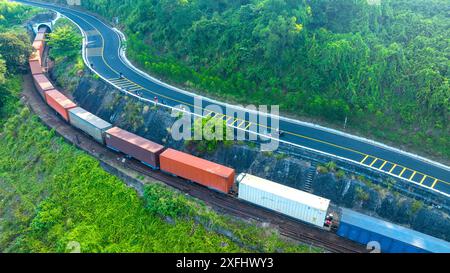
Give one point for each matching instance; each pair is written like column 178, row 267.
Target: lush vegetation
column 50, row 205
column 66, row 42
column 12, row 15
column 55, row 198
column 383, row 64
column 48, row 202
column 210, row 132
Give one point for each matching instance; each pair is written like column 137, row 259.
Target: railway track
column 220, row 202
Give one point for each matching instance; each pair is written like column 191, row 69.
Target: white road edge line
column 262, row 135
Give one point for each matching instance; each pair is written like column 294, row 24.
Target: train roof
column 399, row 233
column 198, row 163
column 90, row 118
column 285, row 191
column 135, row 139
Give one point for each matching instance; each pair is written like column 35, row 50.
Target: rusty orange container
column 59, row 103
column 39, row 47
column 35, row 67
column 42, row 84
column 198, row 170
column 135, row 146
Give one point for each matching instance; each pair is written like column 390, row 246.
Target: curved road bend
column 103, row 51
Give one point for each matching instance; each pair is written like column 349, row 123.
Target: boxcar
column 60, row 103
column 135, row 146
column 35, row 57
column 390, row 237
column 289, row 201
column 35, row 67
column 198, row 170
column 42, row 84
column 89, row 123
column 39, row 47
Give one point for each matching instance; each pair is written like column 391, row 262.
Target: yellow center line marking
column 261, row 125
column 423, row 179
column 404, row 169
column 362, row 161
column 434, row 183
column 393, row 167
column 371, row 164
column 381, row 167
column 411, row 177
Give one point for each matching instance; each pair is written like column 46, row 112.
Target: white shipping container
column 292, row 202
column 89, row 123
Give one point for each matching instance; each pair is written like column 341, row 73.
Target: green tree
column 64, row 42
column 15, row 49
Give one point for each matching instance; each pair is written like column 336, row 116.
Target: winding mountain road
column 104, row 53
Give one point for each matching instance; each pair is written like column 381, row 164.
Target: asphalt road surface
column 102, row 50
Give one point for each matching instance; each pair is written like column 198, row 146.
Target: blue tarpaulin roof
column 399, row 233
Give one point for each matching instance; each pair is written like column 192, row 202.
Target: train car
column 35, row 67
column 289, row 201
column 40, row 36
column 35, row 57
column 390, row 237
column 39, row 47
column 89, row 123
column 60, row 103
column 135, row 146
column 198, row 170
column 42, row 84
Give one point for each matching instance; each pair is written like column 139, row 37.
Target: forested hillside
column 54, row 197
column 384, row 64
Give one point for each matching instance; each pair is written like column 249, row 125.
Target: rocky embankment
column 379, row 196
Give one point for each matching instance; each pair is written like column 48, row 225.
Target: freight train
column 294, row 203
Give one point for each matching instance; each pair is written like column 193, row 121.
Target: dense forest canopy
column 384, row 64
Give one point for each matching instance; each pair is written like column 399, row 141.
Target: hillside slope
column 383, row 66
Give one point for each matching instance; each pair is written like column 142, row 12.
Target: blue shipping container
column 391, row 238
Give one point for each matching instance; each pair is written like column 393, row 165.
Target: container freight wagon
column 390, row 237
column 198, row 170
column 35, row 57
column 89, row 123
column 39, row 47
column 42, row 84
column 40, row 36
column 35, row 67
column 289, row 201
column 60, row 103
column 135, row 146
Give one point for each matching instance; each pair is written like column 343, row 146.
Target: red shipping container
column 35, row 67
column 35, row 57
column 39, row 47
column 42, row 84
column 59, row 103
column 198, row 170
column 135, row 146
